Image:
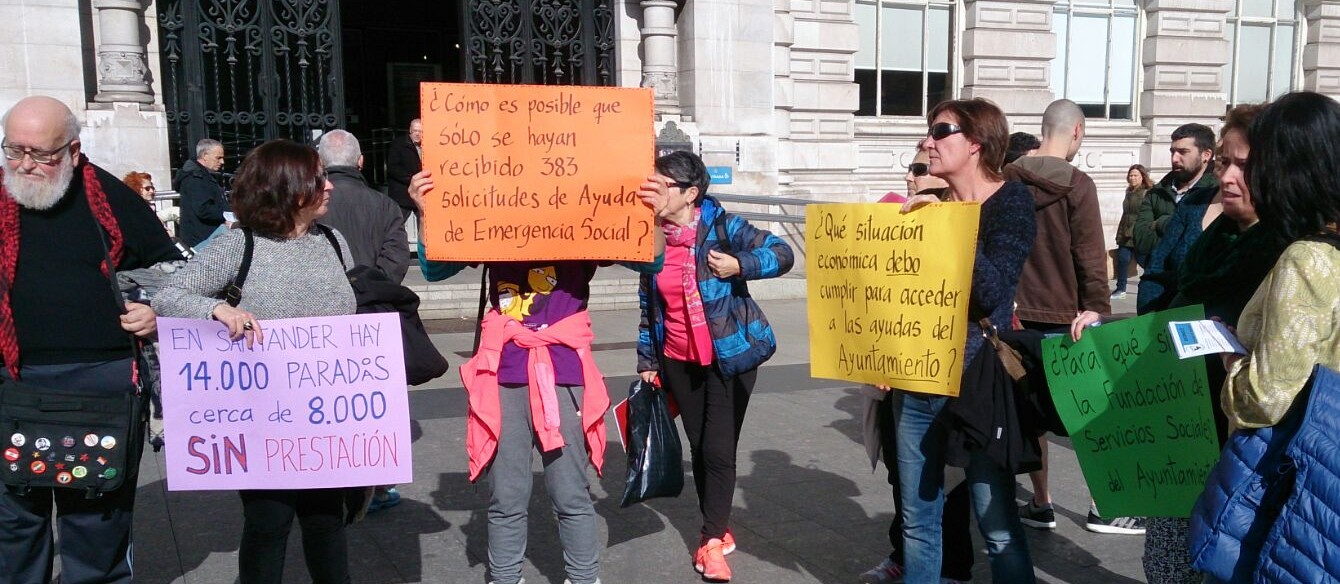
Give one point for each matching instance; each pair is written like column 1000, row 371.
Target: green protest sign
column 1139, row 418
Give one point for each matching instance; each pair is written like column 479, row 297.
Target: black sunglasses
column 943, row 130
column 919, row 169
column 683, row 186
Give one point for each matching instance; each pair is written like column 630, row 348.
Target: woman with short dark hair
column 966, row 141
column 712, row 336
column 278, row 194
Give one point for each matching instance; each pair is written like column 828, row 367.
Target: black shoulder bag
column 375, row 292
column 61, row 438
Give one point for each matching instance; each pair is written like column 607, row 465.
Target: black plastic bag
column 655, row 465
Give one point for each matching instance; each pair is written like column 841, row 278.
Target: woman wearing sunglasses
column 702, row 337
column 966, row 147
column 956, row 565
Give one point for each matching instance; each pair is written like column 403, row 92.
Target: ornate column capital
column 659, row 69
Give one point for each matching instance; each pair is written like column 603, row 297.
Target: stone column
column 659, row 70
column 820, row 156
column 122, row 69
column 1321, row 55
column 1185, row 51
column 1007, row 53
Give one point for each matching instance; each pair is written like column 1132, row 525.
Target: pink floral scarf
column 687, row 236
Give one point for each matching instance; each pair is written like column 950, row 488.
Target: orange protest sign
column 536, row 172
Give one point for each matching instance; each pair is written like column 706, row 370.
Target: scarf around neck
column 9, row 251
column 687, row 236
column 1225, row 266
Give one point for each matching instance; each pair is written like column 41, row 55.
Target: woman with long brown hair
column 1137, row 184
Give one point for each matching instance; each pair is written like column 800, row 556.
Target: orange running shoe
column 727, row 543
column 711, row 562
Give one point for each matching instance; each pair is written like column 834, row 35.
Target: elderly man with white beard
column 61, row 327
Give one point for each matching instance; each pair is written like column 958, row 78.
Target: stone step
column 613, row 288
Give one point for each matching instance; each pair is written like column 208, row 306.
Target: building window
column 904, row 65
column 1099, row 76
column 1265, row 37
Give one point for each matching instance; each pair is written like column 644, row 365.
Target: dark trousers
column 1123, row 266
column 712, row 409
column 956, row 563
column 95, row 544
column 268, row 519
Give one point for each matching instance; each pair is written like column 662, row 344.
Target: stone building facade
column 814, row 99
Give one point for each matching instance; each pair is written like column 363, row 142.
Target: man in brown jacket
column 1066, row 273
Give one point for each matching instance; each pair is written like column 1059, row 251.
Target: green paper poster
column 1139, row 418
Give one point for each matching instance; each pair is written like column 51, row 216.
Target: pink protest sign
column 321, row 403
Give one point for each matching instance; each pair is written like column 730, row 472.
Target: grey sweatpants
column 565, row 480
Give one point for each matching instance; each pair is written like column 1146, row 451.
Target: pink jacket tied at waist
column 480, row 375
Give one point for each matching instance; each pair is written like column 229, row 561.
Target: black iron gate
column 548, row 42
column 246, row 71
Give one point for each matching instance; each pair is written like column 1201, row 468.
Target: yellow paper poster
column 888, row 293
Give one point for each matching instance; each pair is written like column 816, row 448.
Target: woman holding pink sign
column 279, row 193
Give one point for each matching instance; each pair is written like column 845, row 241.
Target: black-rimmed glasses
column 919, row 169
column 39, row 156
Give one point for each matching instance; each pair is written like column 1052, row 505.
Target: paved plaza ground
column 808, row 508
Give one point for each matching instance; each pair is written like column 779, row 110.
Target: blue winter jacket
column 1269, row 510
column 741, row 336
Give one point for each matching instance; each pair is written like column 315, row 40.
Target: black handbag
column 374, row 292
column 61, row 438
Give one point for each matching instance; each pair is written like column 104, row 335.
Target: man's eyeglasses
column 38, row 156
column 919, row 169
column 943, row 130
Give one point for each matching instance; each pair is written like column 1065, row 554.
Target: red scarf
column 9, row 252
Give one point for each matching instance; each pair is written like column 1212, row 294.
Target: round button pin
column 91, row 440
column 79, row 472
column 108, row 442
column 38, row 467
column 12, row 454
column 67, row 441
column 64, row 478
column 18, row 439
column 42, row 444
column 109, row 473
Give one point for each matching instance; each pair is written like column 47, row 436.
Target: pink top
column 892, row 197
column 681, row 344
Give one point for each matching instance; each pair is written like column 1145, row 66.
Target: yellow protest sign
column 888, row 293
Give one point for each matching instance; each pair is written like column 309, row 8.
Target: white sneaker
column 887, row 572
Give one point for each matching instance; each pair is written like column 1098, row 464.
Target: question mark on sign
column 646, row 228
column 953, row 358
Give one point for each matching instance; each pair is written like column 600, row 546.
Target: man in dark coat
column 202, row 201
column 61, row 326
column 1192, row 176
column 402, row 162
column 371, row 223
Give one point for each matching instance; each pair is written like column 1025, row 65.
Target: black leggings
column 712, row 409
column 269, row 517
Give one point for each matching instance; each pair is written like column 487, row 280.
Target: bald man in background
column 1066, row 273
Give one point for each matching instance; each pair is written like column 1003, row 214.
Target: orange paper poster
column 536, row 172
